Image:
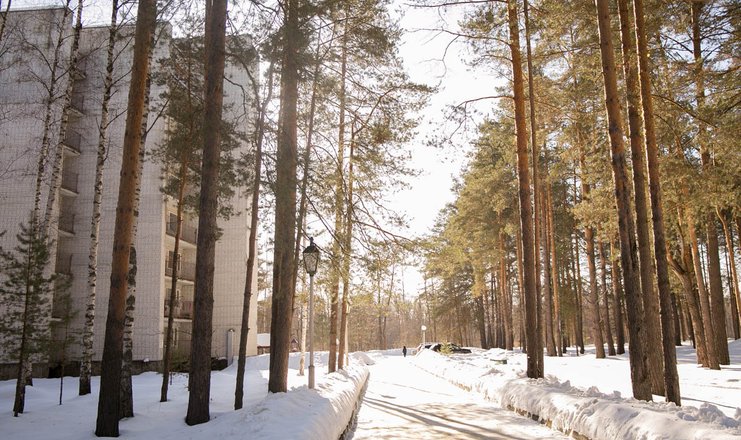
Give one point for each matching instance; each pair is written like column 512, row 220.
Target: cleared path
column 404, row 402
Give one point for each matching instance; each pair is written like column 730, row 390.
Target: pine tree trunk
column 92, row 280
column 520, row 290
column 683, row 269
column 534, row 343
column 127, row 398
column 671, row 378
column 110, row 382
column 717, row 332
column 704, row 297
column 554, row 272
column 252, row 242
column 285, row 206
column 347, row 256
column 174, row 277
column 650, row 299
column 536, row 175
column 579, row 294
column 175, row 262
column 735, row 291
column 506, row 309
column 548, row 282
column 338, row 243
column 626, row 227
column 606, row 293
column 199, row 380
column 618, row 301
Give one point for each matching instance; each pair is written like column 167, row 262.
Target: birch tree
column 92, row 279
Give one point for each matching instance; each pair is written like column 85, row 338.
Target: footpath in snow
column 404, row 402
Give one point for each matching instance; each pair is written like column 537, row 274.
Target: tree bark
column 606, row 292
column 110, row 382
column 51, row 87
column 339, row 200
column 534, row 342
column 252, row 240
column 635, row 124
column 285, row 206
column 618, row 303
column 717, row 333
column 199, row 380
column 56, row 175
column 575, row 262
column 536, row 174
column 671, row 378
column 593, row 292
column 735, row 291
column 126, row 409
column 346, row 260
column 554, row 272
column 626, row 227
column 92, row 280
column 174, row 277
column 548, row 282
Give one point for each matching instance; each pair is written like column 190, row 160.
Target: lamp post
column 424, row 329
column 311, row 261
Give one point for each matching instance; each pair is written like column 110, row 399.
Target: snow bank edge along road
column 590, row 413
column 319, row 414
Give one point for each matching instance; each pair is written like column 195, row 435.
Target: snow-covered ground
column 592, row 397
column 299, row 414
column 411, row 397
column 404, row 402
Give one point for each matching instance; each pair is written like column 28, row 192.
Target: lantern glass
column 311, row 258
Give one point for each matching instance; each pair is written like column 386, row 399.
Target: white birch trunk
column 88, row 329
column 56, row 174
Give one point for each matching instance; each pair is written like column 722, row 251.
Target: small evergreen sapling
column 25, row 293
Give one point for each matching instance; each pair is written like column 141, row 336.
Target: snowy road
column 404, row 402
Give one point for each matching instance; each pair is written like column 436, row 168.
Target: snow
column 425, row 396
column 592, row 397
column 322, row 413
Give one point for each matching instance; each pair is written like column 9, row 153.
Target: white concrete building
column 26, row 48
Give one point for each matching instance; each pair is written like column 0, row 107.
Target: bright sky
column 422, row 51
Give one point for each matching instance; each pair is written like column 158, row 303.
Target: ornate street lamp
column 311, row 262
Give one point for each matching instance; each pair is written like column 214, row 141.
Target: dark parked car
column 449, row 347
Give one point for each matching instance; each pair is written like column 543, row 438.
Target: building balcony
column 186, row 271
column 67, row 223
column 70, row 181
column 72, row 140
column 188, row 231
column 182, row 310
column 78, row 103
column 63, row 264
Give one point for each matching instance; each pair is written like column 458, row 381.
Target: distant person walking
column 404, row 351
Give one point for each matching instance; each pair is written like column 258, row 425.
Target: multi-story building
column 26, row 53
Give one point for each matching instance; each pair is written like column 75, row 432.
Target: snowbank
column 575, row 411
column 319, row 414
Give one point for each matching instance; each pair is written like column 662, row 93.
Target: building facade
column 26, row 50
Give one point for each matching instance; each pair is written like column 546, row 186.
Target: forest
column 599, row 203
